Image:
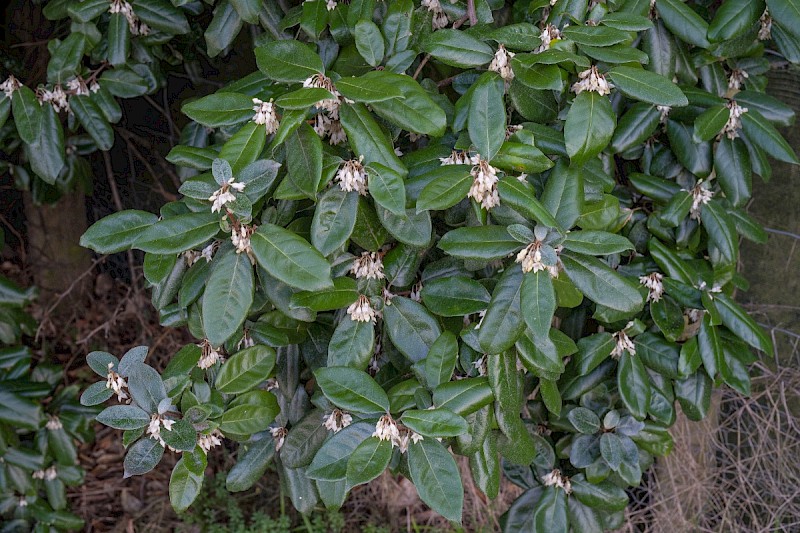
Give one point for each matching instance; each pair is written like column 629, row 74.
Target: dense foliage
column 504, row 230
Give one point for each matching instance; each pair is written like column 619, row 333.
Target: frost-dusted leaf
column 251, row 464
column 124, row 417
column 142, row 457
column 184, row 486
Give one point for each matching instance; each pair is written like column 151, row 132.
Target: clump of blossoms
column 624, row 344
column 549, row 34
column 458, row 157
column 439, row 16
column 154, row 427
column 53, row 423
column 56, row 98
column 501, row 63
column 591, row 80
column 765, row 30
column 556, row 479
column 734, row 123
column 136, row 27
column 208, row 356
column 337, row 420
column 48, row 475
column 265, row 114
column 210, row 440
column 279, row 434
column 223, row 195
column 664, row 112
column 654, row 284
column 352, row 176
column 387, row 429
column 240, row 238
column 484, row 185
column 330, row 105
column 10, row 85
column 531, row 259
column 736, row 79
column 116, row 383
column 369, row 265
column 361, row 310
column 701, row 195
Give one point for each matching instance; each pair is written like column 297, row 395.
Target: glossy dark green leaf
column 334, row 219
column 464, row 396
column 441, row 360
column 479, row 242
column 368, row 461
column 521, row 196
column 686, row 24
column 743, row 325
column 734, row 170
column 93, row 121
column 411, row 327
column 352, row 389
column 290, row 258
column 595, row 35
column 369, row 42
column 304, row 440
column 245, row 370
column 253, row 414
column 387, row 188
column 436, row 477
column 455, row 296
column 414, row 111
column 343, row 293
column 538, row 302
column 119, row 39
column 733, row 18
column 633, row 384
column 367, row 138
column 694, row 395
column 413, row 229
column 228, row 296
column 710, row 123
column 27, row 114
column 434, row 423
column 449, row 186
column 124, row 417
column 647, row 86
column 46, row 153
column 288, row 61
column 245, row 146
column 458, row 49
column 220, row 109
column 369, row 88
column 589, row 126
column 184, row 486
column 487, row 116
column 601, row 284
column 352, row 344
column 762, row 133
column 503, row 322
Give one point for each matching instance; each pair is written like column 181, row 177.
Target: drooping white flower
column 39, row 474
column 116, row 383
column 369, row 265
column 664, row 111
column 736, row 79
column 94, row 87
column 623, row 344
column 241, row 241
column 530, row 258
column 701, row 195
column 57, row 98
column 331, row 5
column 656, row 287
column 51, row 473
column 407, row 436
column 502, row 63
column 386, row 429
column 361, row 310
column 549, row 34
column 734, row 123
column 457, row 157
column 210, row 440
column 271, row 384
column 512, row 129
column 337, row 420
column 331, row 105
column 53, row 423
column 591, row 80
column 279, row 434
column 154, row 427
column 23, row 502
column 416, row 292
column 556, row 479
column 10, row 85
column 208, row 356
column 223, row 195
column 265, row 114
column 352, row 176
column 765, row 31
column 439, row 16
column 484, row 185
column 480, row 365
column 78, row 86
column 208, row 251
column 123, row 7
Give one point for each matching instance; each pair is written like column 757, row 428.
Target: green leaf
column 223, row 29
column 247, row 9
column 343, row 293
column 249, row 418
column 584, row 420
column 633, row 384
column 191, row 157
column 119, row 40
column 595, row 35
column 387, row 188
column 647, row 86
column 124, row 417
column 503, row 322
column 538, row 302
column 415, row 111
column 601, row 284
column 369, row 88
column 368, row 461
column 734, row 18
column 220, row 109
column 668, row 316
column 455, row 296
column 369, row 42
column 334, row 219
column 162, row 16
column 487, row 115
column 710, row 123
column 288, row 61
column 521, row 197
column 589, row 126
column 760, row 132
column 434, row 423
column 27, row 114
column 252, row 462
column 436, row 477
column 734, row 170
column 142, row 457
column 245, row 146
column 479, row 242
column 721, row 233
column 330, row 462
column 413, row 229
column 352, row 389
column 352, row 344
column 304, row 440
column 521, row 157
column 411, row 327
column 457, row 49
column 182, row 436
column 171, row 235
column 184, row 486
column 291, row 259
column 228, row 296
column 604, row 495
column 367, row 138
column 449, row 186
column 464, row 396
column 564, row 194
column 441, row 360
column 96, row 394
column 46, row 154
column 740, row 323
column 314, row 18
column 92, row 120
column 146, row 387
column 682, row 21
column 694, row 395
column 635, row 127
column 245, row 370
column 550, row 396
column 66, row 58
column 303, row 98
column 592, row 242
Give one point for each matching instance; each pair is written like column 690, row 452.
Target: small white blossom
column 556, row 479
column 337, row 420
column 10, row 85
column 94, row 87
column 210, row 440
column 736, row 79
column 241, row 241
column 352, row 176
column 701, row 195
column 246, row 341
column 369, row 266
column 439, row 16
column 78, row 87
column 331, row 5
column 530, row 258
column 271, row 384
column 458, row 157
column 39, row 474
column 265, row 114
column 279, row 434
column 407, row 436
column 223, row 195
column 734, row 123
column 123, row 7
column 765, row 31
column 484, row 185
column 23, row 502
column 549, row 34
column 624, row 344
column 386, row 429
column 208, row 252
column 361, row 310
column 480, row 365
column 502, row 63
column 591, row 80
column 694, row 315
column 331, row 105
column 116, row 383
column 57, row 98
column 653, row 282
column 416, row 292
column 664, row 111
column 51, row 473
column 53, row 423
column 209, row 356
column 512, row 129
column 154, row 427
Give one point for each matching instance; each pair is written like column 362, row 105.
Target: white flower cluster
column 56, row 98
column 480, row 365
column 241, row 241
column 136, row 26
column 154, row 427
column 765, row 31
column 531, row 259
column 556, row 479
column 736, row 79
column 549, row 34
column 116, row 383
column 361, row 310
column 265, row 114
column 484, row 185
column 279, row 434
column 193, row 256
column 458, row 157
column 10, row 85
column 439, row 16
column 352, row 176
column 325, row 126
column 591, row 80
column 416, row 292
column 208, row 356
column 48, row 475
column 701, row 195
column 624, row 343
column 337, row 420
column 326, row 123
column 387, row 429
column 664, row 111
column 331, row 5
column 734, row 123
column 53, row 423
column 502, row 63
column 223, row 195
column 210, row 440
column 369, row 266
column 654, row 284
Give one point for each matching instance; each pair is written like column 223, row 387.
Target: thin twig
column 782, row 232
column 421, row 65
column 473, row 16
